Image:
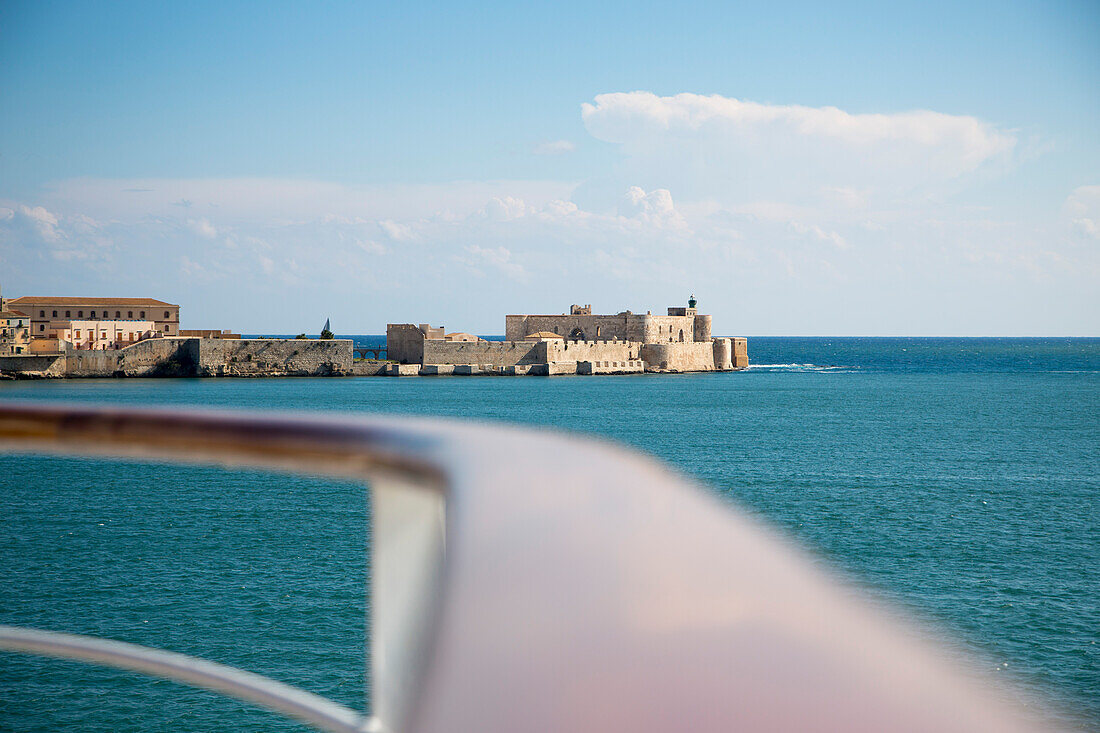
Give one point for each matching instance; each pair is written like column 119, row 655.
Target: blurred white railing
column 530, row 580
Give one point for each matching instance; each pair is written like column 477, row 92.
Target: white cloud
column 396, row 231
column 734, row 152
column 203, row 228
column 655, row 207
column 555, row 147
column 503, row 209
column 499, row 258
column 960, row 143
column 1083, row 209
column 819, row 233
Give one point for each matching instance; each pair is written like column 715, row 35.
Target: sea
column 956, row 478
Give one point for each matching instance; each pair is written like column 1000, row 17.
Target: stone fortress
column 575, row 343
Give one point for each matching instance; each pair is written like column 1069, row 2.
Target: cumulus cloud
column 555, row 147
column 654, row 207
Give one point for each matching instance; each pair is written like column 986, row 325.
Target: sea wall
column 33, row 366
column 194, row 357
column 273, row 357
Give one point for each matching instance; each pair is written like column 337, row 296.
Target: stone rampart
column 690, row 356
column 496, row 353
column 33, row 367
column 635, row 366
column 595, row 351
column 740, row 353
column 723, row 354
column 273, row 357
column 405, row 343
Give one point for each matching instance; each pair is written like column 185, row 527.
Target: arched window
column 165, row 314
column 598, row 330
column 681, row 335
column 577, row 334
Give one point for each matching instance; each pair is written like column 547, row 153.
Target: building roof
column 69, row 300
column 460, row 336
column 13, row 314
column 542, row 335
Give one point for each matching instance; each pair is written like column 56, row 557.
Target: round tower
column 723, row 354
column 702, row 328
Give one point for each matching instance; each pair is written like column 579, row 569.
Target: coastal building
column 50, row 315
column 106, row 334
column 15, row 332
column 577, row 342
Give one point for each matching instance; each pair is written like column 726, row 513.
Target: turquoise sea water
column 958, row 477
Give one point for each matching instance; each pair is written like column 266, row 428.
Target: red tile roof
column 67, row 300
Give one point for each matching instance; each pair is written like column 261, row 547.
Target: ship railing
column 525, row 579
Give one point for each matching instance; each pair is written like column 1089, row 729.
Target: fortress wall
column 497, row 353
column 516, row 328
column 169, row 357
column 663, row 329
column 723, row 354
column 601, row 351
column 702, row 328
column 740, row 353
column 33, row 366
column 690, row 356
column 273, row 357
column 405, row 343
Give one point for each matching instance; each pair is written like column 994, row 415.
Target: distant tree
column 325, row 333
column 300, row 336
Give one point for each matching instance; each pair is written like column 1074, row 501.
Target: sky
column 902, row 168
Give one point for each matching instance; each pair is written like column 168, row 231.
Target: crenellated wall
column 618, row 351
column 498, row 353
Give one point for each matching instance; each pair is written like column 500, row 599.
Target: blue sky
column 804, row 168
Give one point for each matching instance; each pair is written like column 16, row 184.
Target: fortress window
column 118, row 314
column 41, row 314
column 79, row 314
column 129, row 314
column 165, row 314
column 143, row 314
column 68, row 314
column 92, row 314
column 41, row 326
column 55, row 314
column 681, row 334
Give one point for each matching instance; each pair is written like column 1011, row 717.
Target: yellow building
column 50, row 315
column 15, row 332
